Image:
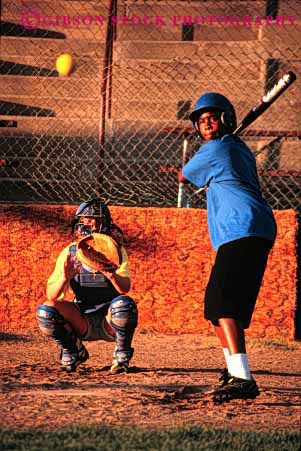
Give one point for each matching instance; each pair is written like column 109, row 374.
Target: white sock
column 239, row 367
column 227, row 355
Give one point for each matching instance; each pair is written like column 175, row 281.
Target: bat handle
column 238, row 129
column 181, row 194
column 181, row 187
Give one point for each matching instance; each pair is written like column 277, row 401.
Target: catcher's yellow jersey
column 58, row 271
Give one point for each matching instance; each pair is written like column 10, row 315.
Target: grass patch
column 106, row 438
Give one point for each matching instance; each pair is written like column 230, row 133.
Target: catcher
column 242, row 229
column 95, row 267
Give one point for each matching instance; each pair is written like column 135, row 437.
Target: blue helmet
column 98, row 209
column 95, row 208
column 218, row 101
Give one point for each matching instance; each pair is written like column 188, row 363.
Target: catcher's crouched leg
column 52, row 323
column 124, row 319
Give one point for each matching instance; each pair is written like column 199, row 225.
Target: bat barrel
column 266, row 101
column 285, row 81
column 292, row 76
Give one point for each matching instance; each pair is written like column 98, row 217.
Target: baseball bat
column 181, row 188
column 266, row 101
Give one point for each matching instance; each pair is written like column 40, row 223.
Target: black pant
column 235, row 279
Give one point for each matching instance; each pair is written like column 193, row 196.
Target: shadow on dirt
column 6, row 336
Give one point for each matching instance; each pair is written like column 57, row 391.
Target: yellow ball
column 64, row 64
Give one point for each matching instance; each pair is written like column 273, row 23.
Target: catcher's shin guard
column 52, row 323
column 124, row 319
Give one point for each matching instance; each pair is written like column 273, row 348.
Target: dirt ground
column 163, row 388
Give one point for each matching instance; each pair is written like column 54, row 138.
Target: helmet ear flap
column 197, row 128
column 105, row 213
column 228, row 120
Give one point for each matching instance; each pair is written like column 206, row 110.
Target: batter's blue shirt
column 235, row 207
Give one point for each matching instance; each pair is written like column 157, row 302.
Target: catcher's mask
column 215, row 101
column 93, row 208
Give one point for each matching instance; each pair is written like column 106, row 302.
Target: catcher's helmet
column 94, row 208
column 216, row 101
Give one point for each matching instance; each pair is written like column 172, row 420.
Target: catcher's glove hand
column 99, row 252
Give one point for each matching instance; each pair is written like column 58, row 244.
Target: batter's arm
column 181, row 178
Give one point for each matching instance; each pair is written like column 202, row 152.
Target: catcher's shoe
column 70, row 361
column 121, row 360
column 119, row 367
column 236, row 388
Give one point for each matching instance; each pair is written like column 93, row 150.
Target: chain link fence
column 115, row 126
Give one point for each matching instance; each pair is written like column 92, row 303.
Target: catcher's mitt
column 99, row 252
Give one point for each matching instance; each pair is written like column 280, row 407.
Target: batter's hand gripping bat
column 265, row 102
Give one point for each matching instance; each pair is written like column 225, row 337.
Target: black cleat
column 236, row 388
column 224, row 378
column 222, row 381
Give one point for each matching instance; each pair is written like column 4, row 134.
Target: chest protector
column 90, row 287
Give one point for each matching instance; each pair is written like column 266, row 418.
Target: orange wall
column 170, row 260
